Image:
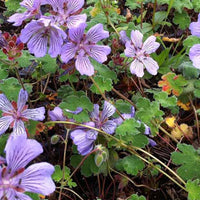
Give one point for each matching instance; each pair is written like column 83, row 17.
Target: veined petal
column 136, row 37
column 123, row 37
column 95, row 113
column 151, row 65
column 137, row 68
column 5, row 123
column 29, row 30
column 36, row 114
column 5, row 104
column 108, row 111
column 74, row 5
column 56, row 114
column 13, row 195
column 38, row 44
column 20, row 151
column 130, row 50
column 109, row 126
column 37, row 178
column 17, row 18
column 99, row 52
column 84, row 145
column 68, row 52
column 76, row 34
column 27, row 3
column 84, row 66
column 18, row 128
column 194, row 55
column 96, row 33
column 22, row 99
column 150, row 45
column 75, row 20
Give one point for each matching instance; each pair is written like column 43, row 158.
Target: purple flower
column 194, row 55
column 57, row 114
column 15, row 114
column 84, row 138
column 195, row 27
column 66, row 12
column 15, row 179
column 140, row 51
column 33, row 10
column 82, row 46
column 41, row 34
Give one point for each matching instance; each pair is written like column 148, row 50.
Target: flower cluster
column 194, row 53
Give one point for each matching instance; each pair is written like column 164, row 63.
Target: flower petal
column 136, row 38
column 95, row 113
column 109, row 126
column 195, row 27
column 20, row 151
column 150, row 45
column 194, row 55
column 37, row 179
column 108, row 111
column 17, row 18
column 96, row 33
column 130, row 50
column 75, row 20
column 84, row 145
column 74, row 5
column 151, row 65
column 22, row 99
column 68, row 52
column 137, row 68
column 123, row 37
column 99, row 52
column 84, row 66
column 36, row 114
column 56, row 114
column 13, row 195
column 5, row 123
column 76, row 34
column 19, row 129
column 5, row 105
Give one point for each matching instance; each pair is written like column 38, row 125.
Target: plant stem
column 19, row 78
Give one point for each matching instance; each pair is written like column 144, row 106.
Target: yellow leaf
column 170, row 121
column 185, row 106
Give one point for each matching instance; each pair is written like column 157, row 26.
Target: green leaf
column 3, row 140
column 189, row 159
column 133, row 5
column 3, row 73
column 196, row 5
column 154, row 113
column 193, row 188
column 160, row 16
column 11, row 87
column 182, row 19
column 103, row 84
column 72, row 102
column 136, row 197
column 32, row 127
column 128, row 127
column 26, row 59
column 179, row 5
column 164, row 100
column 130, row 164
column 33, row 196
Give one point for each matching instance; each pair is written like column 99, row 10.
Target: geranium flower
column 15, row 179
column 41, row 34
column 14, row 114
column 84, row 138
column 66, row 12
column 194, row 55
column 33, row 10
column 82, row 46
column 195, row 27
column 140, row 51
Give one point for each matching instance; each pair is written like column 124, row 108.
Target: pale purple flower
column 195, row 27
column 130, row 115
column 84, row 138
column 41, row 35
column 194, row 55
column 15, row 179
column 66, row 12
column 15, row 114
column 33, row 10
column 82, row 46
column 140, row 51
column 57, row 114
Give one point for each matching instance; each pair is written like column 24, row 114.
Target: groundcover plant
column 99, row 99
